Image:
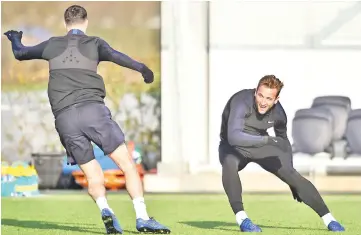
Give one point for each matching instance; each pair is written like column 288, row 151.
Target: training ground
column 188, row 214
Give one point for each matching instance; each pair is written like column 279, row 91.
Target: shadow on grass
column 211, row 225
column 286, row 227
column 217, row 224
column 33, row 224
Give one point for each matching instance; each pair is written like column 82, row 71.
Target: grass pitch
column 183, row 214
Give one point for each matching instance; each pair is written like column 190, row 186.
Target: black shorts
column 268, row 157
column 81, row 124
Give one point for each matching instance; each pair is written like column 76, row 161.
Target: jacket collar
column 75, row 32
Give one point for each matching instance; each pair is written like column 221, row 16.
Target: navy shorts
column 81, row 124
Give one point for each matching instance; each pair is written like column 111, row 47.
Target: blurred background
column 201, row 54
column 130, row 27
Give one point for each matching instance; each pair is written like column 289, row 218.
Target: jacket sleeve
column 236, row 123
column 280, row 126
column 107, row 53
column 22, row 52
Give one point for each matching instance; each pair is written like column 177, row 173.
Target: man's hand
column 279, row 143
column 295, row 194
column 285, row 146
column 147, row 75
column 12, row 34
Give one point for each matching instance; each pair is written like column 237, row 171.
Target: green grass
column 184, row 214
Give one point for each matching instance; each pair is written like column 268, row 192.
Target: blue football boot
column 335, row 226
column 248, row 226
column 151, row 226
column 111, row 222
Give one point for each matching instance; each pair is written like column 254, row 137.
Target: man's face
column 265, row 98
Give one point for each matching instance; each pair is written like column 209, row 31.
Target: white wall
column 235, row 23
column 247, row 41
column 306, row 74
column 236, row 63
column 184, row 83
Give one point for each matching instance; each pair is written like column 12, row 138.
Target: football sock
column 328, row 218
column 240, row 216
column 140, row 208
column 102, row 203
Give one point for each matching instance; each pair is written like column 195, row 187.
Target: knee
column 96, row 185
column 122, row 158
column 289, row 175
column 95, row 181
column 293, row 178
column 128, row 166
column 229, row 164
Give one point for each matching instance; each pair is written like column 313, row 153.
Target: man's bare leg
column 95, row 177
column 123, row 159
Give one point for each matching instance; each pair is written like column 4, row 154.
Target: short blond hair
column 271, row 81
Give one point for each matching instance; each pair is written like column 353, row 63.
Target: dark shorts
column 268, row 157
column 81, row 124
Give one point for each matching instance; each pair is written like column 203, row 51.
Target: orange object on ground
column 114, row 179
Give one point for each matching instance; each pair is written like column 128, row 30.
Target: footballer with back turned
column 244, row 138
column 76, row 93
